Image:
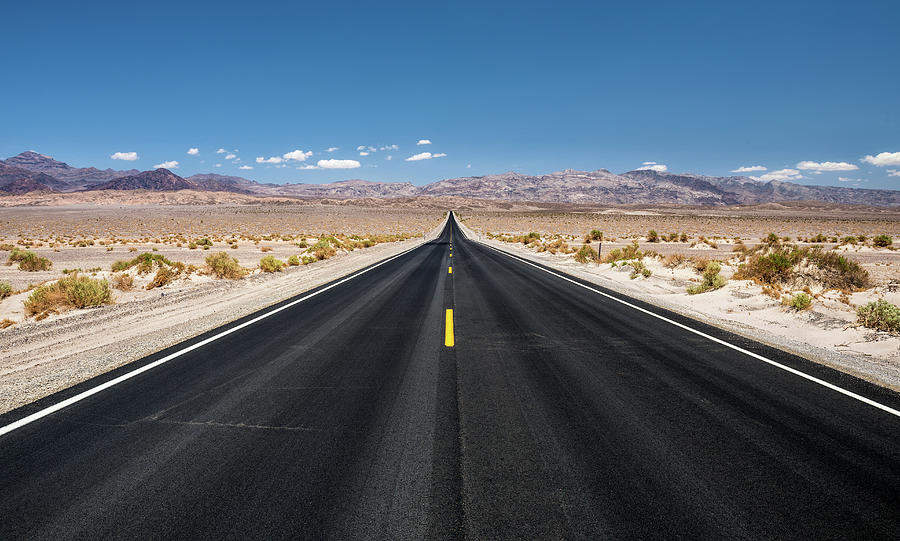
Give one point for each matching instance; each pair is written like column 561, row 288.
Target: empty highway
column 495, row 400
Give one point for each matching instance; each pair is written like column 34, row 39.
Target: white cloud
column 273, row 159
column 424, row 142
column 781, row 174
column 649, row 163
column 338, row 164
column 389, row 158
column 245, row 167
column 361, row 147
column 468, row 166
column 826, row 166
column 331, row 149
column 893, row 173
column 297, row 155
column 308, row 166
column 363, row 153
column 389, row 147
column 438, row 155
column 221, row 151
column 231, row 156
column 167, row 165
column 193, row 151
column 885, row 158
column 845, row 179
column 127, row 156
column 423, row 156
column 656, row 167
column 218, row 165
column 748, row 169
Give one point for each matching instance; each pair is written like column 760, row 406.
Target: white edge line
column 776, row 364
column 124, row 377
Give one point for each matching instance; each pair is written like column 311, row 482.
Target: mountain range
column 30, row 172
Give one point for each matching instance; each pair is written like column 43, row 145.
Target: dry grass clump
column 270, row 264
column 674, row 261
column 28, row 261
column 777, row 264
column 629, row 252
column 123, row 282
column 164, row 275
column 586, row 254
column 638, row 269
column 880, row 315
column 712, row 280
column 882, row 241
column 144, row 263
column 69, row 292
column 324, row 248
column 222, row 265
column 6, row 322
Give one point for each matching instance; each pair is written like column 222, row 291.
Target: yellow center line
column 449, row 270
column 448, row 329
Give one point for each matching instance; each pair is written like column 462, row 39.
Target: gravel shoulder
column 39, row 358
column 826, row 334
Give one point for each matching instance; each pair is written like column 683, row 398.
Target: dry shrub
column 265, row 249
column 674, row 261
column 69, row 292
column 123, row 282
column 270, row 264
column 28, row 261
column 6, row 323
column 880, row 315
column 5, row 290
column 163, row 276
column 790, row 264
column 586, row 254
column 222, row 265
column 712, row 280
column 700, row 264
column 293, row 261
column 628, row 252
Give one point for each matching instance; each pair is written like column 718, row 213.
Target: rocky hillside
column 31, row 171
column 75, row 178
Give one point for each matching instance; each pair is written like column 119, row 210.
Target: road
column 556, row 413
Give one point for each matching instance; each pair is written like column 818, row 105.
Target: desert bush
column 683, row 238
column 850, row 239
column 270, row 264
column 5, row 290
column 265, row 249
column 29, row 261
column 123, row 282
column 652, row 236
column 586, row 254
column 628, row 252
column 799, row 301
column 293, row 261
column 69, row 292
column 163, row 276
column 6, row 322
column 639, row 269
column 882, row 241
column 596, row 234
column 711, row 279
column 880, row 315
column 7, row 247
column 203, row 241
column 222, row 265
column 306, row 260
column 782, row 264
column 700, row 264
column 674, row 261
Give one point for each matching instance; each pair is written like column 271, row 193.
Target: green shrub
column 880, row 315
column 7, row 247
column 29, row 261
column 203, row 242
column 711, row 279
column 293, row 261
column 882, row 241
column 652, row 236
column 683, row 238
column 800, row 301
column 639, row 269
column 629, row 252
column 5, row 290
column 586, row 254
column 222, row 265
column 596, row 234
column 68, row 292
column 270, row 264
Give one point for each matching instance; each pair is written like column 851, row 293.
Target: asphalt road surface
column 556, row 413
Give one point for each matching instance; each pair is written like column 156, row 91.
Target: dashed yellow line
column 449, row 270
column 448, row 329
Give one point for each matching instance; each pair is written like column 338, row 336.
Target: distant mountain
column 30, row 171
column 74, row 177
column 16, row 180
column 157, row 180
column 343, row 189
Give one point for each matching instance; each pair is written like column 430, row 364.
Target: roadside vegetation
column 712, row 280
column 28, row 260
column 879, row 315
column 66, row 293
column 222, row 265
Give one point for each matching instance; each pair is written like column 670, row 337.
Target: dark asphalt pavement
column 559, row 413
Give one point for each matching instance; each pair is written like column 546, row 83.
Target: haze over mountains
column 33, row 172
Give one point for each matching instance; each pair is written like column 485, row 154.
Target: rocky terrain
column 33, row 172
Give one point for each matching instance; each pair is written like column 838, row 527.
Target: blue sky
column 704, row 87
